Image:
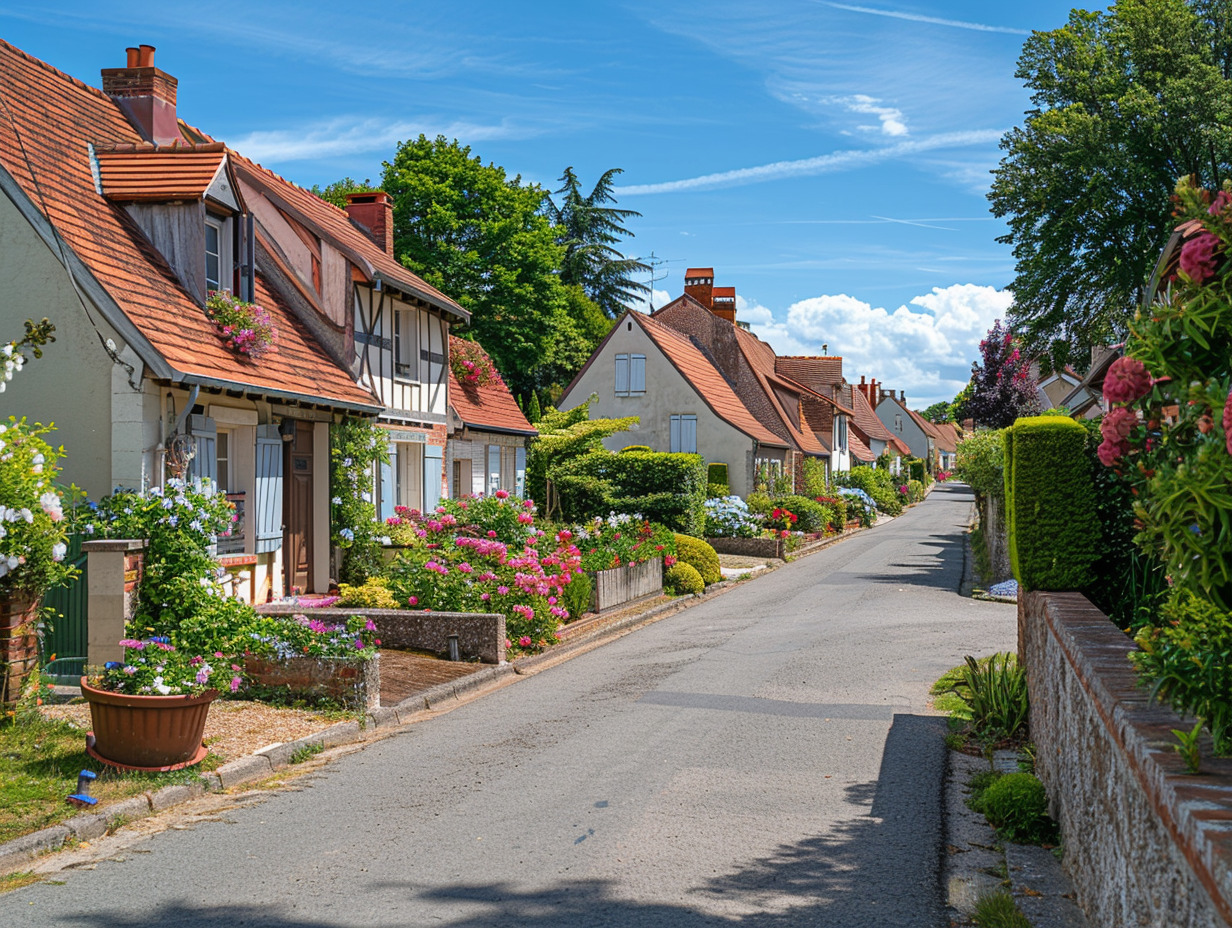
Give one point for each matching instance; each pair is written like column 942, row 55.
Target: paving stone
column 173, row 795
column 245, row 770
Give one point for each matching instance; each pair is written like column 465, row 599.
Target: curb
column 254, row 768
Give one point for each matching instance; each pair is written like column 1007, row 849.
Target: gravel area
column 233, row 728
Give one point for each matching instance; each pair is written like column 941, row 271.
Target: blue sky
column 829, row 159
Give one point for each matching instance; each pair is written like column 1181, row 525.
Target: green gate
column 65, row 640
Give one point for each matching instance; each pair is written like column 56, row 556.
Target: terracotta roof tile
column 699, row 272
column 761, row 360
column 486, row 406
column 334, row 224
column 158, row 175
column 52, row 119
column 714, row 391
column 859, row 450
column 811, row 370
column 900, row 446
column 865, row 419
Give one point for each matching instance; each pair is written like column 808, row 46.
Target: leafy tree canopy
column 481, row 237
column 336, row 192
column 1001, row 385
column 1124, row 103
column 589, row 230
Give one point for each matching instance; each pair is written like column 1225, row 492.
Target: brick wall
column 1146, row 844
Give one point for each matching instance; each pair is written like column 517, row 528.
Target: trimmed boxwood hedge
column 1054, row 532
column 703, row 558
column 683, row 578
column 716, row 476
column 666, row 488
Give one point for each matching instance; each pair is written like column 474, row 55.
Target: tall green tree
column 589, row 229
column 336, row 192
column 1123, row 103
column 480, row 236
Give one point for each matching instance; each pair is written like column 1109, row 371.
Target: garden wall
column 1145, row 844
column 995, row 539
column 750, row 547
column 620, row 585
column 480, row 635
column 355, row 684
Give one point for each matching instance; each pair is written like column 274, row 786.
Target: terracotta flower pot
column 146, row 732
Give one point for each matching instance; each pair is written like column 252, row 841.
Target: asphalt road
column 766, row 758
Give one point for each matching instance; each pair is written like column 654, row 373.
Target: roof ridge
column 56, row 71
column 290, row 183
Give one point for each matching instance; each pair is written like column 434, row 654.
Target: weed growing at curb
column 997, row 910
column 305, row 751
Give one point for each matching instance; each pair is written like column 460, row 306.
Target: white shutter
column 688, row 434
column 622, row 375
column 269, row 489
column 637, row 373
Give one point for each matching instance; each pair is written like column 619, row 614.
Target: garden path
column 767, row 758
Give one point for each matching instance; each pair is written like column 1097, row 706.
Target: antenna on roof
column 654, row 262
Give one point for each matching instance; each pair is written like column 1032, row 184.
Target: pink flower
column 359, row 644
column 502, row 494
column 235, row 684
column 1127, row 380
column 491, row 534
column 412, row 600
column 524, row 641
column 1199, row 257
column 1227, row 422
column 1222, row 200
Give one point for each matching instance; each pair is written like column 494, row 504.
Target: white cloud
column 346, row 136
column 892, row 120
column 822, row 164
column 931, row 20
column 926, row 348
column 658, row 299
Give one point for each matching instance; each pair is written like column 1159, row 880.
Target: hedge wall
column 1054, row 532
column 663, row 487
column 717, row 474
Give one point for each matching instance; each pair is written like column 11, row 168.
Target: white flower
column 161, row 687
column 337, row 500
column 7, row 350
column 27, row 515
column 58, row 550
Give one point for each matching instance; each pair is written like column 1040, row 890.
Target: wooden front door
column 297, row 509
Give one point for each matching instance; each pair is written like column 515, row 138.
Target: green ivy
column 357, row 446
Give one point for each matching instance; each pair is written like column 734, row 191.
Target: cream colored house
column 645, row 369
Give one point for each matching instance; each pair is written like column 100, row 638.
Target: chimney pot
column 145, row 95
column 145, row 57
column 132, row 56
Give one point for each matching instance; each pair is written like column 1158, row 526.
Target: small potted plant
column 246, row 328
column 149, row 710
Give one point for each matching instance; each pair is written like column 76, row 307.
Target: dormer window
column 213, row 253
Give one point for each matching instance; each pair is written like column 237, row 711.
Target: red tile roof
column 761, row 360
column 334, row 224
column 486, row 406
column 714, row 391
column 857, row 448
column 724, row 291
column 864, row 418
column 51, row 120
column 811, row 370
column 900, row 446
column 699, row 272
column 158, row 174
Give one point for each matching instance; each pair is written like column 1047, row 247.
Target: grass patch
column 997, row 910
column 39, row 762
column 306, row 751
column 12, row 881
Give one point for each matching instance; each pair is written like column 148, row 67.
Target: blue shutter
column 674, row 444
column 269, row 489
column 688, row 434
column 622, row 375
column 204, row 463
column 519, row 464
column 637, row 373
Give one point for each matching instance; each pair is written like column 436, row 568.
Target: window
column 684, row 434
column 214, row 254
column 406, row 345
column 494, row 467
column 222, row 445
column 898, row 422
column 841, row 428
column 630, row 374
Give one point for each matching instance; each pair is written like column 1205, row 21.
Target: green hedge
column 701, row 556
column 879, row 484
column 716, row 474
column 666, row 488
column 1054, row 532
column 683, row 578
column 918, row 470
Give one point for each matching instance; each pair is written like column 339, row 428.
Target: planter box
column 620, row 585
column 750, row 547
column 1145, row 843
column 481, row 635
column 355, row 684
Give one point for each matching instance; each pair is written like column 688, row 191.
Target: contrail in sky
column 920, row 18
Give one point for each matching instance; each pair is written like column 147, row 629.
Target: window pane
column 520, row 470
column 213, row 269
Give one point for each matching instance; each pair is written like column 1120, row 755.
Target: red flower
column 1199, row 257
column 1227, row 422
column 1127, row 380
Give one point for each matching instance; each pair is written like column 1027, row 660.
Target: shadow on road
column 878, row 869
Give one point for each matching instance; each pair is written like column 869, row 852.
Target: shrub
column 716, row 475
column 836, row 511
column 860, row 505
column 1017, row 806
column 730, row 517
column 878, row 484
column 816, row 481
column 915, row 491
column 635, row 448
column 683, row 578
column 33, row 536
column 1189, row 658
column 704, row 558
column 811, row 515
column 1050, row 499
column 981, row 462
column 760, row 503
column 620, row 540
column 356, row 446
column 917, row 469
column 995, row 691
column 666, row 488
column 716, row 490
column 575, row 597
column 373, row 593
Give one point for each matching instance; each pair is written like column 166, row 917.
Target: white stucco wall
column 667, row 393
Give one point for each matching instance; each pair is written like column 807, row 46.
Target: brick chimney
column 145, row 95
column 373, row 212
column 699, row 284
column 723, row 303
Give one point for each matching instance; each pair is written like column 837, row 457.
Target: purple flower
column 235, row 684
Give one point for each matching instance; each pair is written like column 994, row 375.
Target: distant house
column 1087, row 397
column 908, row 427
column 644, row 368
column 117, row 218
column 488, row 432
column 1064, row 388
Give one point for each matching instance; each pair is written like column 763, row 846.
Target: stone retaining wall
column 750, row 547
column 355, row 684
column 1146, row 844
column 480, row 635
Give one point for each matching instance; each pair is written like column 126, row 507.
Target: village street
column 766, row 758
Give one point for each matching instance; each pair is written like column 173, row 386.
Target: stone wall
column 750, row 547
column 354, row 683
column 480, row 635
column 1146, row 844
column 995, row 538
